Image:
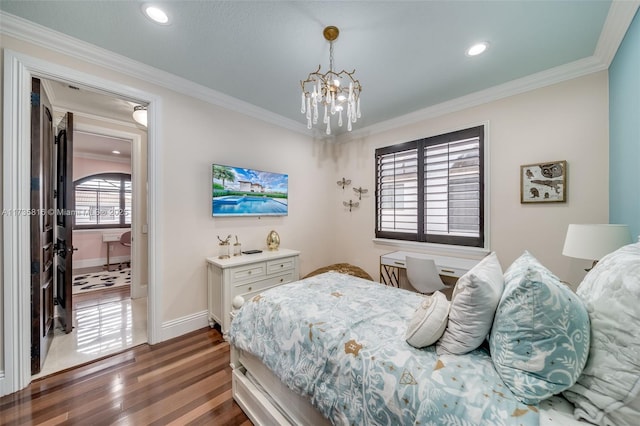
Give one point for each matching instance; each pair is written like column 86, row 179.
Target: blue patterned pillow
column 540, row 337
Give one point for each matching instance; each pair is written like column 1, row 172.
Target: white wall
column 566, row 121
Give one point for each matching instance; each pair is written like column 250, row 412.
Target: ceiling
column 408, row 55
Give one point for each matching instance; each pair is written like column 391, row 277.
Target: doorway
column 18, row 70
column 108, row 303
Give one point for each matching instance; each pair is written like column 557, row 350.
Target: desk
column 391, row 263
column 110, row 238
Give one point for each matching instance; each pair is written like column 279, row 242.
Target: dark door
column 42, row 219
column 64, row 221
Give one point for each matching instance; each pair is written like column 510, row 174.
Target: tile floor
column 104, row 327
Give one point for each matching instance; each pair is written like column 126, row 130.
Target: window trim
column 123, row 177
column 419, row 238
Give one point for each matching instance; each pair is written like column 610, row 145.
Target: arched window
column 103, row 201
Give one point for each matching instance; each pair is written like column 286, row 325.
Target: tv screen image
column 237, row 191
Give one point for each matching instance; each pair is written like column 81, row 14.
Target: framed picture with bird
column 543, row 182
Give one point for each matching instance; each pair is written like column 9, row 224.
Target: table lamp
column 594, row 241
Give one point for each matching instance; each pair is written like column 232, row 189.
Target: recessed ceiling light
column 115, row 152
column 477, row 48
column 156, row 14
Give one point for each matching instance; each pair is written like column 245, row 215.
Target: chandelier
column 331, row 91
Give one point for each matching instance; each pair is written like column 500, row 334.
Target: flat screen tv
column 237, row 191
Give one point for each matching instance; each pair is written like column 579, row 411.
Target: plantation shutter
column 398, row 189
column 432, row 190
column 103, row 200
column 452, row 188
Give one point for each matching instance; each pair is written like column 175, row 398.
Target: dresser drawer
column 280, row 265
column 254, row 271
column 257, row 286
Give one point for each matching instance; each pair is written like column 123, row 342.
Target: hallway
column 105, row 322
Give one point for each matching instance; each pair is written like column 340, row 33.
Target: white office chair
column 423, row 275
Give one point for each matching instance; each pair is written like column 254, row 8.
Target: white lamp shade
column 594, row 241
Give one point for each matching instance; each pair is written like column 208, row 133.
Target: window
column 432, row 190
column 103, row 201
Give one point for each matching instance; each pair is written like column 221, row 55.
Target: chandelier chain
column 331, row 56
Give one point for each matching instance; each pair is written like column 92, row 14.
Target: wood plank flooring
column 186, row 380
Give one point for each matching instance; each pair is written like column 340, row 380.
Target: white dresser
column 246, row 276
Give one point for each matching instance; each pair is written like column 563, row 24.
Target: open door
column 64, row 222
column 41, row 226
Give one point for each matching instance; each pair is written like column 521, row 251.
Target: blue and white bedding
column 339, row 340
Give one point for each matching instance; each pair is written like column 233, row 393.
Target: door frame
column 18, row 70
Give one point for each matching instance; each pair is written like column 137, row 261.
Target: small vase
column 273, row 240
column 223, row 250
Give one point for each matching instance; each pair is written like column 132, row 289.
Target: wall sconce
column 140, row 114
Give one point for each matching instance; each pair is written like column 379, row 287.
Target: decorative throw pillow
column 540, row 337
column 473, row 306
column 428, row 322
column 608, row 391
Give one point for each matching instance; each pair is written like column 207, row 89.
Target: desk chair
column 125, row 240
column 422, row 274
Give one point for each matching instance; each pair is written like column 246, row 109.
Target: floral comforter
column 339, row 340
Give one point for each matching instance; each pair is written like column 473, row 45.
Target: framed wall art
column 543, row 182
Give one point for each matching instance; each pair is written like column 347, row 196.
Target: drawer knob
column 249, row 272
column 281, row 265
column 249, row 288
column 281, row 279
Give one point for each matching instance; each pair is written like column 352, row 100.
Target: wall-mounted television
column 237, row 191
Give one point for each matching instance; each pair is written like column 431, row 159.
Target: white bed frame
column 267, row 401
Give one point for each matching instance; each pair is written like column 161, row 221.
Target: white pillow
column 608, row 391
column 428, row 321
column 473, row 305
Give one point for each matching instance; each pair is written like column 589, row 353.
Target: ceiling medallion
column 331, row 91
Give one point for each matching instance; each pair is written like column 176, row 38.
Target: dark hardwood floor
column 186, row 380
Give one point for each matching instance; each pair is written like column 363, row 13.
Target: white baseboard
column 90, row 263
column 184, row 325
column 3, row 384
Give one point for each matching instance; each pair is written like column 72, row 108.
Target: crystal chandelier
column 331, row 91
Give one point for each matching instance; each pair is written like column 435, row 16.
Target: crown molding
column 618, row 19
column 100, row 157
column 39, row 35
column 541, row 79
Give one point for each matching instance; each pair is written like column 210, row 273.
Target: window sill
column 438, row 249
column 101, row 230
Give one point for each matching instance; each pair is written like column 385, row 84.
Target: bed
column 325, row 350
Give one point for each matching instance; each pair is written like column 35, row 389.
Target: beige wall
column 566, row 121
